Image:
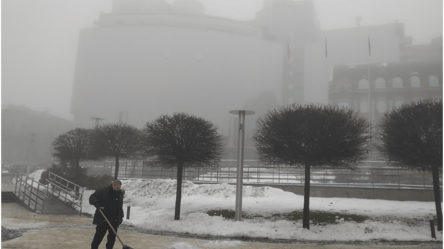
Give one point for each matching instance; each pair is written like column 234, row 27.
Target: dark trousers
column 100, row 233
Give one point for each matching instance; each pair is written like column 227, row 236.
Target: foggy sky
column 39, row 38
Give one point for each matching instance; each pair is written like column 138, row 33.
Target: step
column 9, row 197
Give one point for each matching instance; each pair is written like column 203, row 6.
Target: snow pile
column 37, row 174
column 206, row 244
column 167, row 188
column 220, row 244
column 181, row 245
column 152, row 205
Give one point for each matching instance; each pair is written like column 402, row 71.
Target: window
column 433, row 80
column 380, row 83
column 363, row 84
column 399, row 103
column 344, row 104
column 363, row 106
column 381, row 106
column 415, row 81
column 397, row 82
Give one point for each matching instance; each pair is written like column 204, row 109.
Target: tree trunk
column 77, row 165
column 116, row 170
column 437, row 192
column 178, row 191
column 306, row 219
column 77, row 181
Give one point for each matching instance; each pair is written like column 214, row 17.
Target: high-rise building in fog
column 148, row 58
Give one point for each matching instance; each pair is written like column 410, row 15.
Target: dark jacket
column 111, row 204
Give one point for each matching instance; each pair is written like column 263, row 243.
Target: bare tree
column 118, row 141
column 411, row 137
column 72, row 146
column 311, row 136
column 182, row 140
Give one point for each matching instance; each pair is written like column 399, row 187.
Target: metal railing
column 374, row 174
column 66, row 191
column 31, row 192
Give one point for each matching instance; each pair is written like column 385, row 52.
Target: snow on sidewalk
column 152, row 205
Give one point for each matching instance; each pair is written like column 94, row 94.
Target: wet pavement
column 24, row 229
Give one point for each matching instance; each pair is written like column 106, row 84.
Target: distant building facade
column 374, row 89
column 18, row 126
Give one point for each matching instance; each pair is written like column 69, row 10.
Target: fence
column 375, row 174
column 30, row 191
column 68, row 192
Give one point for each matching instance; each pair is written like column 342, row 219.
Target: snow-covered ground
column 36, row 175
column 152, row 205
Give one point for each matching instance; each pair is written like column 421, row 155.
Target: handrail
column 74, row 191
column 30, row 195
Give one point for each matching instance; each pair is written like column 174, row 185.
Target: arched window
column 415, row 81
column 380, row 83
column 363, row 84
column 399, row 103
column 397, row 82
column 363, row 106
column 344, row 104
column 381, row 105
column 433, row 80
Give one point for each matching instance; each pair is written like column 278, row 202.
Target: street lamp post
column 240, row 160
column 97, row 121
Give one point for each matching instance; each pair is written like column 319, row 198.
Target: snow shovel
column 124, row 246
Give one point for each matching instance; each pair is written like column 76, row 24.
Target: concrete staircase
column 9, row 197
column 47, row 203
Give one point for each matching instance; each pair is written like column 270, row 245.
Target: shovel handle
column 111, row 226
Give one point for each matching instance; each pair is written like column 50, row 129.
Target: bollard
column 432, row 228
column 128, row 209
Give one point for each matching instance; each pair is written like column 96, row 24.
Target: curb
column 279, row 241
column 5, row 231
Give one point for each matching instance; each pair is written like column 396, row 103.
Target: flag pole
column 369, row 92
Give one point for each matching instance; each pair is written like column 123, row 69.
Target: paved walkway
column 72, row 231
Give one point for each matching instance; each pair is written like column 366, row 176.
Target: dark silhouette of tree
column 182, row 140
column 311, row 136
column 118, row 141
column 73, row 147
column 411, row 137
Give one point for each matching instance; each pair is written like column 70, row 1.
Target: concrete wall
column 362, row 193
